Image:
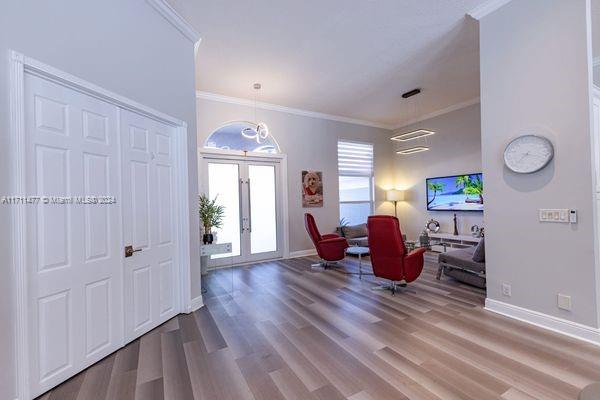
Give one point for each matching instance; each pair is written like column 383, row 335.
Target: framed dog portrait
column 312, row 189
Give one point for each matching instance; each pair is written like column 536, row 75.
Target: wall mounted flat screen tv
column 455, row 193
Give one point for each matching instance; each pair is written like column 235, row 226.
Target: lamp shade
column 395, row 195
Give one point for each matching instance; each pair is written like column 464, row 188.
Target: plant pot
column 207, row 238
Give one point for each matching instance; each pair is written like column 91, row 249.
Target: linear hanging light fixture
column 416, row 134
column 412, row 150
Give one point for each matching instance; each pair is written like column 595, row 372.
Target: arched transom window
column 244, row 136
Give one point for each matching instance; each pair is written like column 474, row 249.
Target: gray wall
column 454, row 149
column 535, row 79
column 310, row 143
column 123, row 46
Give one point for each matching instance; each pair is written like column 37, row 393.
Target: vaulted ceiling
column 351, row 58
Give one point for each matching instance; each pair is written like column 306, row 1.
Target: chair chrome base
column 392, row 286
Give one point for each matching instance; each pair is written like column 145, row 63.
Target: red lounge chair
column 389, row 257
column 330, row 247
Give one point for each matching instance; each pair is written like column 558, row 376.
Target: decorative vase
column 207, row 238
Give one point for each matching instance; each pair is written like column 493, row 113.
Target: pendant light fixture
column 412, row 150
column 260, row 132
column 414, row 134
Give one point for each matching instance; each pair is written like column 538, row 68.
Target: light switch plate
column 555, row 215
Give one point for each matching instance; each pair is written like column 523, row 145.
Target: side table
column 358, row 251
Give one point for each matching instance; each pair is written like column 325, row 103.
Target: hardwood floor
column 288, row 332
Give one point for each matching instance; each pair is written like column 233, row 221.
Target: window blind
column 355, row 158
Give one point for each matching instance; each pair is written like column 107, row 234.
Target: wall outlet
column 506, row 289
column 564, row 302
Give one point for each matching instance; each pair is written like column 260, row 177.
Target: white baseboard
column 196, row 303
column 559, row 325
column 303, row 253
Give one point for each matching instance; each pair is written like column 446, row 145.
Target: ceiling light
column 260, row 131
column 419, row 133
column 415, row 133
column 412, row 150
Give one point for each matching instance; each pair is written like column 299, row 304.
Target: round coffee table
column 358, row 251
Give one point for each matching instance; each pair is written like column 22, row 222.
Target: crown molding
column 173, row 17
column 296, row 111
column 437, row 113
column 487, row 8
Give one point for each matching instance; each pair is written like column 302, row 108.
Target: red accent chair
column 330, row 247
column 389, row 257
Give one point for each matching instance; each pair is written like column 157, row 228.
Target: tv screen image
column 455, row 193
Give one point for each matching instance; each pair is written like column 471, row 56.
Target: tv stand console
column 450, row 241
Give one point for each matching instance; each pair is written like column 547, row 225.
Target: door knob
column 129, row 250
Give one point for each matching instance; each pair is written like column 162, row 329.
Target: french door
column 250, row 191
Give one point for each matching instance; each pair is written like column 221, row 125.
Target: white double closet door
column 85, row 298
column 251, row 192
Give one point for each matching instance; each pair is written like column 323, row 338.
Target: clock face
column 528, row 153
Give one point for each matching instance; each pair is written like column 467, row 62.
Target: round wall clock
column 528, row 153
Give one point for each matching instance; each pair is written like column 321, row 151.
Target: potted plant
column 211, row 216
column 340, row 228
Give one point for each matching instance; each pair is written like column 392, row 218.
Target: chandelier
column 261, row 131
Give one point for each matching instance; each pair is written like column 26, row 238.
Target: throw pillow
column 479, row 253
column 355, row 231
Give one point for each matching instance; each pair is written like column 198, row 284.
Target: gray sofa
column 356, row 235
column 466, row 265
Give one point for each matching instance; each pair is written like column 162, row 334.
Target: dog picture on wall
column 312, row 189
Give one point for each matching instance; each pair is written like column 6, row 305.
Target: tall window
column 355, row 170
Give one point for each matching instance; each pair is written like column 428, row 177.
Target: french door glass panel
column 224, row 184
column 263, row 215
column 249, row 191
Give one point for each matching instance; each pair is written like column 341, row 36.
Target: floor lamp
column 395, row 196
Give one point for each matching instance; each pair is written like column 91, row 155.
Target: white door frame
column 204, row 152
column 19, row 65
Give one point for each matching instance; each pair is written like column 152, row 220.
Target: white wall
column 310, row 143
column 534, row 64
column 123, row 46
column 454, row 149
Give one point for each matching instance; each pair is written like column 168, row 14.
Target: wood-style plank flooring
column 288, row 332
